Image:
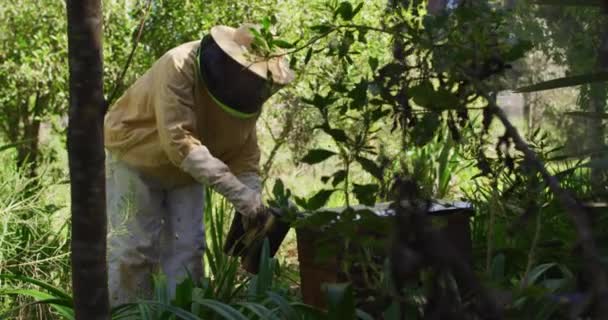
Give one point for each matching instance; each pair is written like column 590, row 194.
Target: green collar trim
column 231, row 111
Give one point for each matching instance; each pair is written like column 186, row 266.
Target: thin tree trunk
column 86, row 160
column 597, row 103
column 598, row 93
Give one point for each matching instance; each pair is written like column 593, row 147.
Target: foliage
column 190, row 302
column 383, row 90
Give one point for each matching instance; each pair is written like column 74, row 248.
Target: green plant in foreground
column 192, row 302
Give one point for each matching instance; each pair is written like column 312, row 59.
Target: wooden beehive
column 453, row 221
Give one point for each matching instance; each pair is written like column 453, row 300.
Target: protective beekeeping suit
column 189, row 121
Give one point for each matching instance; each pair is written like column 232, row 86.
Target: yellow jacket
column 167, row 112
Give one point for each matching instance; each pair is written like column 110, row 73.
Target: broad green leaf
column 338, row 177
column 424, row 131
column 357, row 9
column 345, row 10
column 373, row 63
column 319, row 199
column 278, row 191
column 317, row 155
column 371, row 167
column 566, row 82
column 338, row 134
column 366, row 193
column 422, row 94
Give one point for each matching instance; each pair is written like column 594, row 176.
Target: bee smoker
column 247, row 244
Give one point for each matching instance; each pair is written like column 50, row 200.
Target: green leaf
column 538, row 271
column 317, row 155
column 222, row 309
column 282, row 44
column 259, row 310
column 345, row 10
column 566, row 82
column 319, row 199
column 373, row 63
column 424, row 130
column 371, row 167
column 278, row 191
column 266, row 23
column 338, row 134
column 357, row 9
column 339, row 176
column 366, row 193
column 62, row 306
column 56, row 292
column 183, row 294
column 308, row 56
column 322, row 28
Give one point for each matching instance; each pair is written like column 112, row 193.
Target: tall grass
column 34, row 234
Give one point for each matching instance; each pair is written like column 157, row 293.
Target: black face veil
column 231, row 84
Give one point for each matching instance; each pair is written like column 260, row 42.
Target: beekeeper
column 188, row 122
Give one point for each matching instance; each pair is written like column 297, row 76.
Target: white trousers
column 151, row 230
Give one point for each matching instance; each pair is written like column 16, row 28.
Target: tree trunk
column 598, row 93
column 86, row 160
column 597, row 103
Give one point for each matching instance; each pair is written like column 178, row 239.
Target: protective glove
column 253, row 181
column 207, row 169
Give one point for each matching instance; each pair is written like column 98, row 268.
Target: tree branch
column 119, row 81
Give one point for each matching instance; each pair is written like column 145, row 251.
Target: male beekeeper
column 189, row 121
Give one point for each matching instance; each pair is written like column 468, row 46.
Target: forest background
column 386, row 92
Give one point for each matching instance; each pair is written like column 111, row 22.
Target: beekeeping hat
column 237, row 78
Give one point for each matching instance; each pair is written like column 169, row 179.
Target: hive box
column 452, row 220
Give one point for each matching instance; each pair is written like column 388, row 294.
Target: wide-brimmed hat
column 237, row 43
